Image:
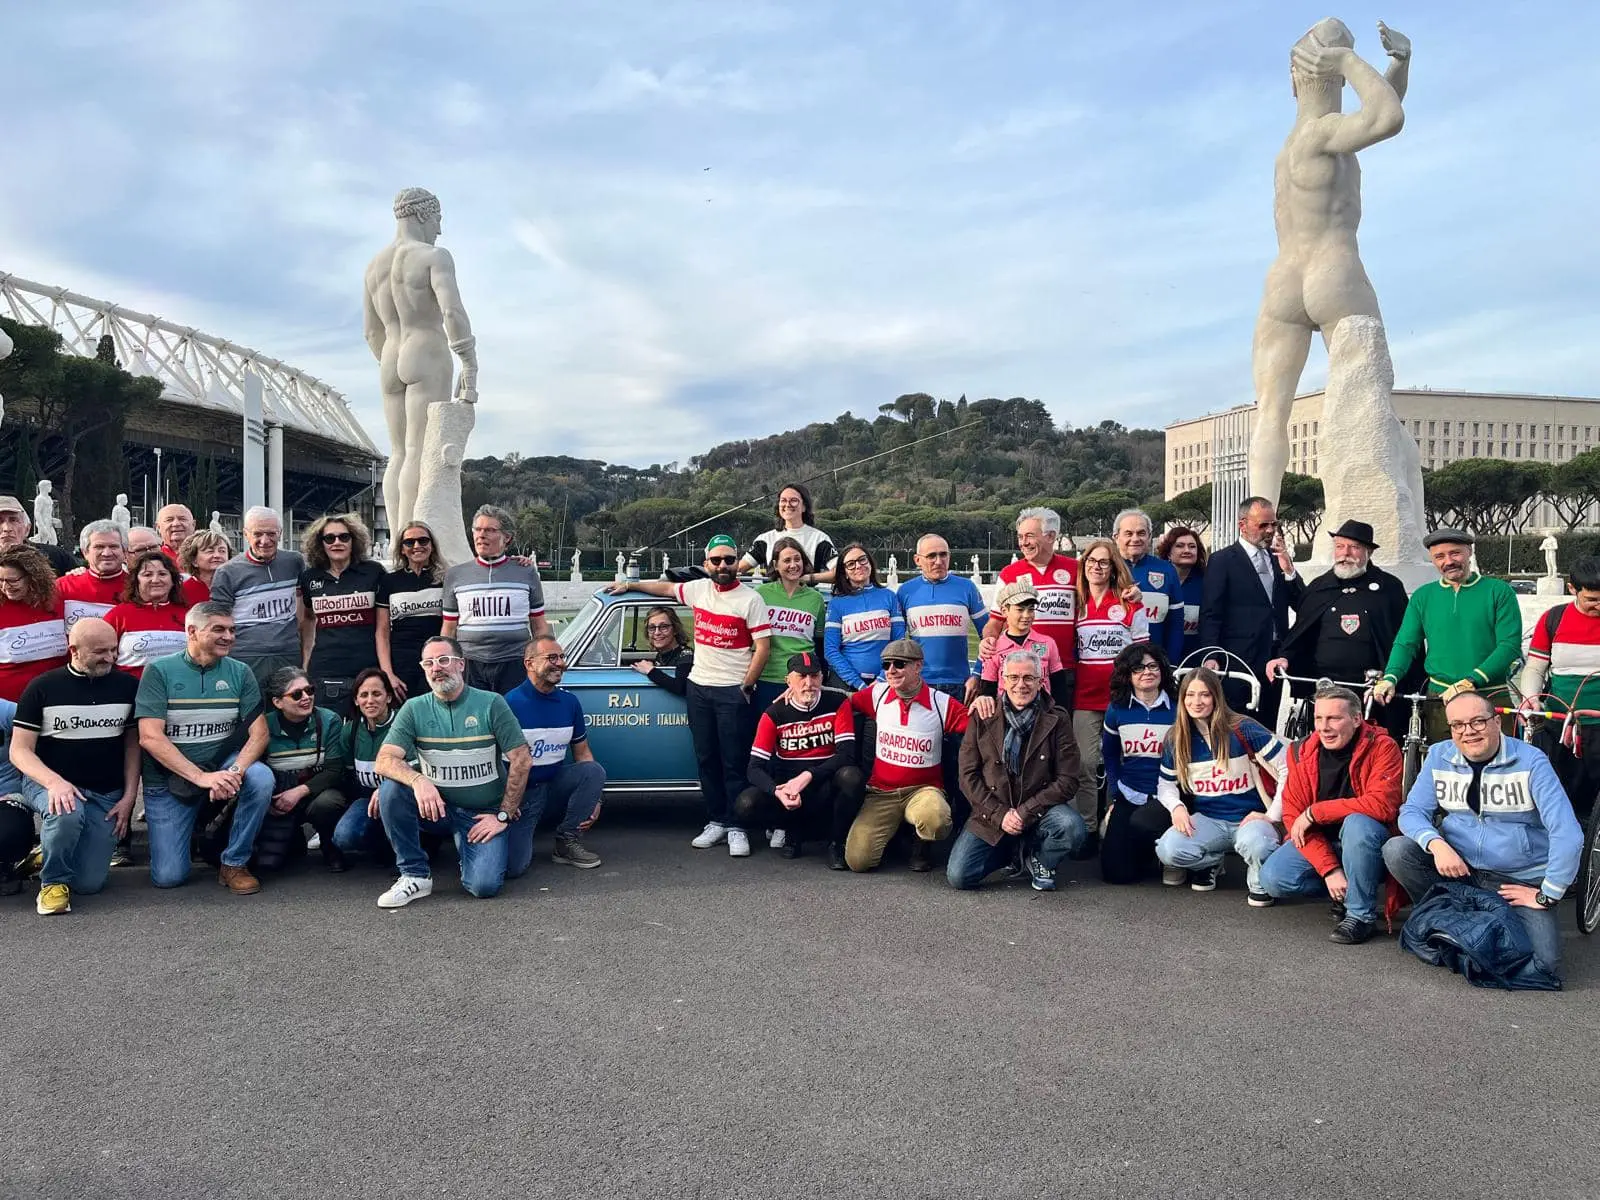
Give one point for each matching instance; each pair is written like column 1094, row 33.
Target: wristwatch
column 1543, row 900
column 502, row 816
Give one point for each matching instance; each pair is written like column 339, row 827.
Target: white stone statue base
column 1550, row 585
column 1376, row 473
column 439, row 486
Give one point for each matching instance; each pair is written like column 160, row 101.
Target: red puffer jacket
column 1375, row 771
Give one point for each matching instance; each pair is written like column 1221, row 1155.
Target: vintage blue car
column 638, row 730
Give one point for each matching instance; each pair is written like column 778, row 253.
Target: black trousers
column 826, row 809
column 502, row 677
column 1579, row 773
column 282, row 838
column 16, row 837
column 723, row 724
column 1128, row 850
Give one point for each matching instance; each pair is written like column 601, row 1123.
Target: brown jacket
column 1050, row 769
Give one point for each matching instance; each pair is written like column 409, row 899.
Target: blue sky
column 1061, row 201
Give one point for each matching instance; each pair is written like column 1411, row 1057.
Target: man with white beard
column 1347, row 621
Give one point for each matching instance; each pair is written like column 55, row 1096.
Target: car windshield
column 568, row 634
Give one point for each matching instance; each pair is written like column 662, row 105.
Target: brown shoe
column 238, row 880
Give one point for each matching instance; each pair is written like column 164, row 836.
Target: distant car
column 1523, row 587
column 638, row 731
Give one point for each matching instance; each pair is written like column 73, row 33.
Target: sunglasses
column 896, row 664
column 416, row 541
column 301, row 693
column 1146, row 668
column 328, row 539
column 722, row 560
column 658, row 628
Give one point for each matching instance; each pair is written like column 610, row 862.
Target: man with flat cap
column 1347, row 621
column 1467, row 629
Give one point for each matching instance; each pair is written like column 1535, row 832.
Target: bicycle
column 1298, row 724
column 1586, row 887
column 1198, row 658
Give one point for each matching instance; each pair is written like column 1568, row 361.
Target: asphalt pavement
column 681, row 1024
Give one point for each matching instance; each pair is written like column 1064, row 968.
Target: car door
column 638, row 731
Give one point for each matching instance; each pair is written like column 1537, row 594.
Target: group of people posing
column 384, row 707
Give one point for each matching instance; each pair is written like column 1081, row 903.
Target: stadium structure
column 311, row 439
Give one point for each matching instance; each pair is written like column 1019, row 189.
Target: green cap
column 721, row 542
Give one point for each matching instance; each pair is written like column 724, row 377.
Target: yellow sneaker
column 54, row 898
column 34, row 863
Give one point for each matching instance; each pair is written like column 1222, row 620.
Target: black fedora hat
column 1356, row 531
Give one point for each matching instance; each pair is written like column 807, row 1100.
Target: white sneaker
column 738, row 844
column 1174, row 876
column 713, row 833
column 777, row 838
column 406, row 889
column 314, row 842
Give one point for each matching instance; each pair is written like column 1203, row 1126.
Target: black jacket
column 1385, row 611
column 1235, row 612
column 1474, row 933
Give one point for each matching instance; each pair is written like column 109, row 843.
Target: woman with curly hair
column 149, row 620
column 410, row 608
column 338, row 606
column 198, row 558
column 1181, row 546
column 33, row 631
column 1142, row 710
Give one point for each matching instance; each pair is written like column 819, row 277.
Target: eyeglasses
column 8, row 581
column 1146, row 668
column 548, row 658
column 329, row 539
column 1476, row 724
column 851, row 564
column 304, row 693
column 658, row 628
column 896, row 664
column 444, row 660
column 416, row 541
column 721, row 560
column 1097, row 562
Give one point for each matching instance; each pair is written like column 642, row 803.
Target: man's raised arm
column 1398, row 47
column 1380, row 115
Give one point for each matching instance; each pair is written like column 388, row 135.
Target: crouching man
column 75, row 742
column 1507, row 826
column 1019, row 770
column 203, row 734
column 1340, row 801
column 462, row 738
column 792, row 772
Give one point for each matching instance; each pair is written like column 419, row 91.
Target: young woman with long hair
column 794, row 521
column 863, row 618
column 1141, row 713
column 1220, row 775
column 410, row 608
column 795, row 610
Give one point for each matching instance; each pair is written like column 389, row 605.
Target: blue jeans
column 1359, row 842
column 356, row 830
column 77, row 845
column 171, row 825
column 1413, row 867
column 576, row 787
column 483, row 864
column 1054, row 836
column 1211, row 842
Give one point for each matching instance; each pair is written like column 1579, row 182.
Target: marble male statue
column 45, row 521
column 1549, row 547
column 120, row 516
column 1317, row 280
column 414, row 321
column 216, row 523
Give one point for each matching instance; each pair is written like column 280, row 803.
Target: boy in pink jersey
column 1018, row 604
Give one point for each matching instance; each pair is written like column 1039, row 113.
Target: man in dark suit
column 1250, row 589
column 1346, row 623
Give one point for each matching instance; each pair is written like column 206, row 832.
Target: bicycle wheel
column 1413, row 760
column 1588, row 881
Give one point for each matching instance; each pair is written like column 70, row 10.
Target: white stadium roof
column 194, row 368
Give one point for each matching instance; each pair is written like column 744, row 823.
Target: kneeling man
column 1019, row 770
column 76, row 744
column 1507, row 825
column 1340, row 801
column 460, row 736
column 792, row 767
column 905, row 773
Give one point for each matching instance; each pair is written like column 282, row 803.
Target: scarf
column 1019, row 724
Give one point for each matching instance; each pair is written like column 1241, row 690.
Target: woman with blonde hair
column 1107, row 624
column 198, row 558
column 410, row 608
column 1220, row 775
column 338, row 607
